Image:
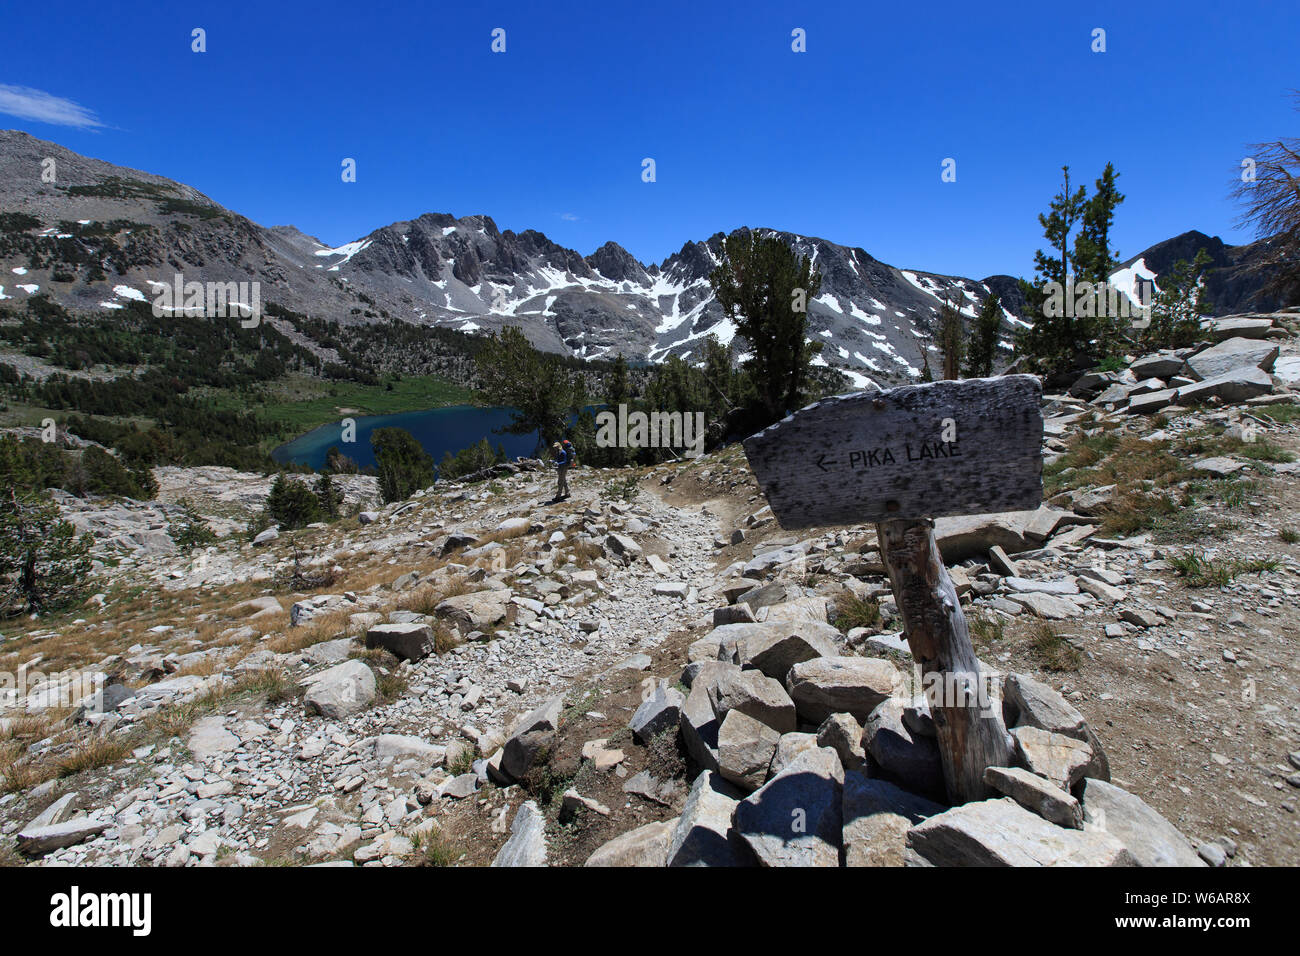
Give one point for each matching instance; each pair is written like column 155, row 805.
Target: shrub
column 471, row 459
column 291, row 504
column 191, row 531
column 623, row 489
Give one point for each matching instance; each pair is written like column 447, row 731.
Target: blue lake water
column 439, row 430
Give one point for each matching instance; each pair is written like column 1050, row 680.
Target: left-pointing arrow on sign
column 822, row 462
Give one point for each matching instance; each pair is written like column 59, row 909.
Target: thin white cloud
column 569, row 216
column 27, row 103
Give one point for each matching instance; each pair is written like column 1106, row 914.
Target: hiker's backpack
column 570, row 453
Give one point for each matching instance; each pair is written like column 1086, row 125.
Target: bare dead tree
column 1270, row 197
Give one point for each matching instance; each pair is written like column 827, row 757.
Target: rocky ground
column 653, row 672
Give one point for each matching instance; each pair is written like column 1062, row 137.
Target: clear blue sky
column 844, row 141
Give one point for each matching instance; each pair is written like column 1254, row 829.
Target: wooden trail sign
column 919, row 451
column 901, row 457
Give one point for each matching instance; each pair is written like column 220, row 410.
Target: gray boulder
column 791, row 746
column 877, row 817
column 1151, row 401
column 733, row 614
column 968, row 536
column 841, row 685
column 704, row 835
column 1233, row 354
column 527, row 843
column 1037, row 794
column 908, row 759
column 1003, row 833
column 404, row 747
column 645, row 846
column 39, row 840
column 529, row 737
column 623, row 546
column 762, row 596
column 1059, row 758
column 342, row 691
column 796, row 818
column 1027, row 702
column 745, row 750
column 795, row 611
column 843, row 734
column 1031, row 703
column 479, row 611
column 775, row 648
column 407, row 642
column 1241, row 326
column 660, row 711
column 699, row 725
column 1159, row 365
column 1239, row 385
column 754, row 694
column 1152, row 839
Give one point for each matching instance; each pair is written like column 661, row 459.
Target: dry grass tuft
column 1052, row 650
column 92, row 754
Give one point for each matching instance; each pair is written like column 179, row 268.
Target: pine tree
column 720, row 376
column 540, row 389
column 328, row 495
column 952, row 335
column 1094, row 260
column 1058, row 342
column 339, row 463
column 984, row 341
column 191, row 531
column 1064, row 211
column 44, row 564
column 764, row 286
column 583, row 434
column 618, row 390
column 403, row 464
column 674, row 387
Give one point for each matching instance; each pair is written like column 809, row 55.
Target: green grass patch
column 1231, row 493
column 851, row 611
column 299, row 403
column 1283, row 414
column 1263, row 451
column 1200, row 571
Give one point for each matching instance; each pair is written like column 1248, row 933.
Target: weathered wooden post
column 902, row 457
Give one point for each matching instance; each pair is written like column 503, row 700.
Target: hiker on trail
column 564, row 457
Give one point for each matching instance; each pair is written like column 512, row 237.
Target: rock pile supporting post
column 971, row 736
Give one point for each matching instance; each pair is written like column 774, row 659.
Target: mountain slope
column 103, row 234
column 1235, row 282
